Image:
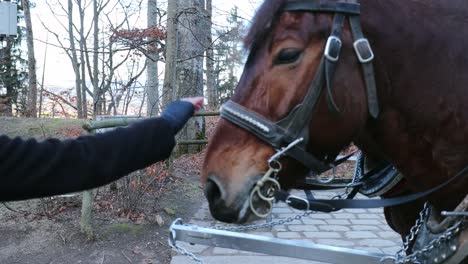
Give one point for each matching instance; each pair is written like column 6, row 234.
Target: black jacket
column 31, row 169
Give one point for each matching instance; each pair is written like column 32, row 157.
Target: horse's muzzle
column 235, row 210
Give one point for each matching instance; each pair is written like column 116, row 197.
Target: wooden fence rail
column 125, row 121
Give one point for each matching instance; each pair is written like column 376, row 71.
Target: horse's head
column 293, row 86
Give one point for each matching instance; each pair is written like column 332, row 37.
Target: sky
column 58, row 73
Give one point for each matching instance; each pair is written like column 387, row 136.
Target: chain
column 401, row 254
column 356, row 177
column 266, row 225
column 185, row 252
column 269, row 177
column 402, row 258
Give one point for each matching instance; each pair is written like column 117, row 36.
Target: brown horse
column 421, row 75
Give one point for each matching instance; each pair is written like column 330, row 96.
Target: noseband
column 296, row 124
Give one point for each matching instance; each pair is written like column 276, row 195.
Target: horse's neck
column 421, row 69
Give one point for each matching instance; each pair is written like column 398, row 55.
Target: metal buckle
column 298, row 199
column 363, row 50
column 333, row 49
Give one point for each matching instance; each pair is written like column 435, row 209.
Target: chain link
column 356, row 178
column 414, row 258
column 185, row 252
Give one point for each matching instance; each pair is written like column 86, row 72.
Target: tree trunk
column 96, row 91
column 75, row 64
column 32, row 89
column 6, row 101
column 83, row 61
column 152, row 83
column 169, row 89
column 189, row 70
column 210, row 70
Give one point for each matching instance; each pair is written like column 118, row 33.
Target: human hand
column 197, row 102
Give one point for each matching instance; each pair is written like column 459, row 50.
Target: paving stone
column 280, row 228
column 335, row 242
column 224, row 251
column 370, row 216
column 391, row 250
column 366, row 222
column 321, row 216
column 282, row 210
column 336, row 228
column 288, row 235
column 302, row 228
column 322, row 234
column 338, row 222
column 355, row 211
column 360, row 234
column 375, row 210
column 365, row 227
column 389, row 234
column 309, row 221
column 344, row 216
column 376, row 243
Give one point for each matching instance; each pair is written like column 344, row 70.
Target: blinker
column 333, row 49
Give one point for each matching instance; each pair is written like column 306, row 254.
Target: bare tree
column 74, row 59
column 169, row 90
column 210, row 69
column 189, row 69
column 32, row 90
column 152, row 77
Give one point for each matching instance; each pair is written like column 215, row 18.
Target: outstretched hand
column 196, row 101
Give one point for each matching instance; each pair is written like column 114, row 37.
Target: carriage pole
column 272, row 246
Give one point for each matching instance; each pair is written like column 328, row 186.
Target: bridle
column 290, row 135
column 296, row 124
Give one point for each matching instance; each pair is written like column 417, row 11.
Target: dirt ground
column 48, row 230
column 29, row 236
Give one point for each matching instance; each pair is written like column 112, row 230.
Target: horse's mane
column 262, row 22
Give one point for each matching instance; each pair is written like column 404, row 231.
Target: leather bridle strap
column 319, row 6
column 365, row 56
column 330, row 63
column 321, row 205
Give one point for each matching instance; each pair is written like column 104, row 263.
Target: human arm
column 30, row 169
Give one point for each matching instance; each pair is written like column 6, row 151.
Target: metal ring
column 275, row 165
column 259, row 191
column 255, row 212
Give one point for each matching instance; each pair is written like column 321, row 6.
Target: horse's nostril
column 212, row 191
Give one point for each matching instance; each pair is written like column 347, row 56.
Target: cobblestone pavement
column 363, row 229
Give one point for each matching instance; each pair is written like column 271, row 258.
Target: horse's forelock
column 262, row 22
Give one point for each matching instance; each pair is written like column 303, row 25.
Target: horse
column 400, row 94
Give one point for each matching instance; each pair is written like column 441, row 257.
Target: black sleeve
column 31, row 169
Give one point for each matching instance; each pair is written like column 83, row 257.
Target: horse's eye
column 287, row 56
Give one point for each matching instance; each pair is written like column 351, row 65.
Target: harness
column 290, row 135
column 295, row 125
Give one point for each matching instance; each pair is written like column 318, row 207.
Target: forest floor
column 48, row 230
